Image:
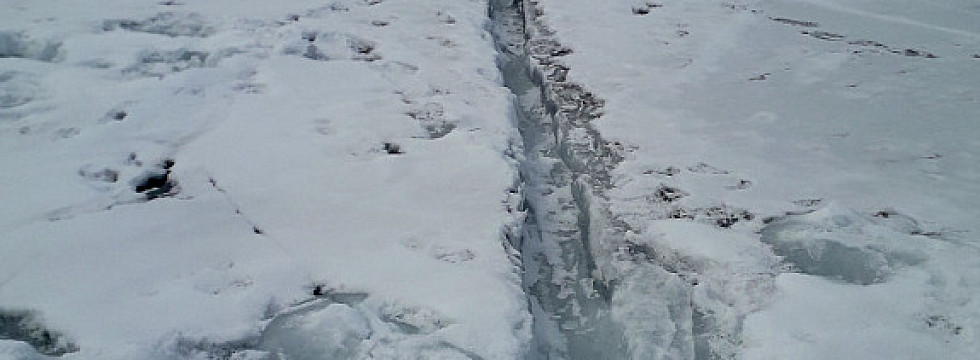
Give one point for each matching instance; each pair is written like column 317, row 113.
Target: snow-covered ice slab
column 786, row 166
column 226, row 179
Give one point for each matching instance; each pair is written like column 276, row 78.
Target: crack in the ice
column 255, row 228
column 565, row 162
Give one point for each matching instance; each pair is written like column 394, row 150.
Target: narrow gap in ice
column 572, row 318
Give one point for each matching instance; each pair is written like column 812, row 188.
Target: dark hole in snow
column 156, row 183
column 669, row 194
column 25, row 326
column 392, row 148
column 363, row 49
column 118, row 115
column 153, row 181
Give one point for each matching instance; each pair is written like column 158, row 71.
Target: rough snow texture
column 228, row 179
column 799, row 177
column 301, row 179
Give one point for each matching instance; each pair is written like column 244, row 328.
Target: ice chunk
column 333, row 331
column 838, row 244
column 20, row 45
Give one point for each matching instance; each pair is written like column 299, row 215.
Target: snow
column 575, row 179
column 819, row 319
column 794, row 162
column 181, row 178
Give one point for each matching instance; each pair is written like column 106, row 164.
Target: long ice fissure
column 572, row 317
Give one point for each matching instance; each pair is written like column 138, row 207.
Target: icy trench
column 570, row 309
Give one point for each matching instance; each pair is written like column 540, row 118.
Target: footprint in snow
column 432, row 117
column 447, row 253
column 451, row 254
column 165, row 23
column 703, row 168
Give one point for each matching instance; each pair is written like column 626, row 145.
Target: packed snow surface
column 446, row 179
column 802, row 174
column 184, row 179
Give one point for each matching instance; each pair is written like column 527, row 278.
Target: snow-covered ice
column 489, row 179
column 787, row 166
column 181, row 178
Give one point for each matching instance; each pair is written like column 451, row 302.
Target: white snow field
column 489, row 179
column 239, row 180
column 798, row 179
